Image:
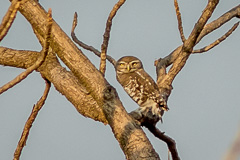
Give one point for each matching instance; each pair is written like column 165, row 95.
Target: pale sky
column 204, row 105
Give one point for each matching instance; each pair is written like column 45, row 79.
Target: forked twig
column 218, row 41
column 180, row 28
column 38, row 63
column 28, row 125
column 210, row 27
column 85, row 46
column 106, row 36
column 188, row 45
column 9, row 18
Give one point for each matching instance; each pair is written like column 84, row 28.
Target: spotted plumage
column 140, row 87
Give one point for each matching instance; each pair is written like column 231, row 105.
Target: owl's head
column 128, row 64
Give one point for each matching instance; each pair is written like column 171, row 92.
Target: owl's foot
column 137, row 115
column 145, row 118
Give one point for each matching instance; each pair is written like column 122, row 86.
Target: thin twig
column 169, row 141
column 179, row 56
column 85, row 46
column 106, row 35
column 188, row 45
column 31, row 119
column 9, row 18
column 218, row 41
column 206, row 14
column 38, row 63
column 210, row 27
column 180, row 28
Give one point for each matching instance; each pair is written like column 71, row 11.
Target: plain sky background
column 204, row 114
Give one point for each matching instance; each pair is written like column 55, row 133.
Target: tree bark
column 84, row 86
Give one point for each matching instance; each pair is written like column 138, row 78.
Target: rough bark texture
column 130, row 136
column 84, row 86
column 64, row 81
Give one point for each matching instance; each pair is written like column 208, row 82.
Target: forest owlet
column 141, row 88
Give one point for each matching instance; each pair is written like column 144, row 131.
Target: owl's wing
column 153, row 93
column 160, row 99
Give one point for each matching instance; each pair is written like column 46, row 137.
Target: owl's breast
column 136, row 90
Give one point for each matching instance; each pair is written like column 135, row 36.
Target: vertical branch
column 28, row 125
column 180, row 28
column 38, row 63
column 106, row 36
column 40, row 103
column 208, row 28
column 9, row 18
column 207, row 13
column 188, row 45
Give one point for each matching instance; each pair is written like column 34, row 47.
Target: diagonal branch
column 131, row 137
column 185, row 51
column 106, row 35
column 218, row 41
column 169, row 141
column 64, row 81
column 38, row 63
column 180, row 28
column 31, row 119
column 208, row 28
column 234, row 12
column 207, row 13
column 84, row 45
column 9, row 18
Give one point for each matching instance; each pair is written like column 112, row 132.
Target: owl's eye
column 134, row 63
column 122, row 64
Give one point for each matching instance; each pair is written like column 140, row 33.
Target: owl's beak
column 128, row 67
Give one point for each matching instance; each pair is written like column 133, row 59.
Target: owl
column 141, row 88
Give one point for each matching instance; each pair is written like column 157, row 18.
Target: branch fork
column 176, row 60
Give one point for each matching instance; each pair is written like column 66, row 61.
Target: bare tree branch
column 64, row 81
column 80, row 43
column 39, row 62
column 208, row 28
column 31, row 119
column 106, row 35
column 131, row 138
column 207, row 13
column 101, row 97
column 218, row 41
column 66, row 50
column 180, row 28
column 85, row 46
column 9, row 18
column 169, row 141
column 234, row 12
column 181, row 54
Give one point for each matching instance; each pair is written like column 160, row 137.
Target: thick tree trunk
column 84, row 86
